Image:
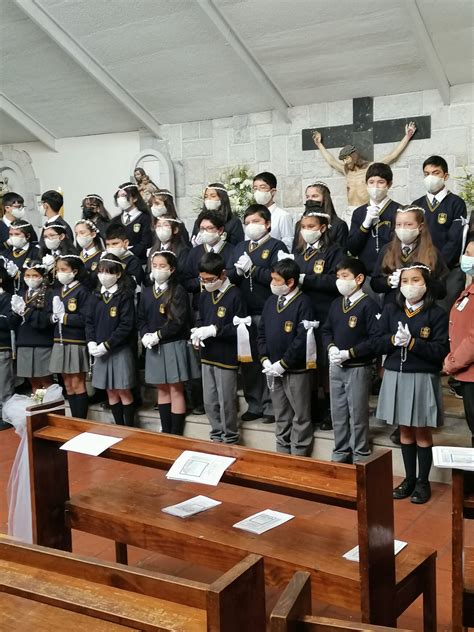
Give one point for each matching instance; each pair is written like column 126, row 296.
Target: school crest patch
column 288, row 327
column 221, row 312
column 94, row 266
column 162, row 308
column 442, row 218
column 137, row 228
column 318, row 266
column 352, row 322
column 113, row 312
column 425, row 332
column 265, row 254
column 72, row 304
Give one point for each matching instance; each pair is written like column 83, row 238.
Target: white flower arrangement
column 238, row 182
column 38, row 395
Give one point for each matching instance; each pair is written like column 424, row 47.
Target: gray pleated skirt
column 114, row 370
column 411, row 399
column 33, row 361
column 69, row 358
column 171, row 363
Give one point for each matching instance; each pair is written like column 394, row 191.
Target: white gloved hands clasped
column 243, row 265
column 98, row 350
column 48, row 261
column 150, row 340
column 58, row 310
column 11, row 269
column 403, row 336
column 371, row 217
column 338, row 356
column 394, row 278
column 18, row 305
column 199, row 334
column 273, row 370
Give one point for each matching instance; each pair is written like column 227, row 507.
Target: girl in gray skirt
column 110, row 328
column 414, row 335
column 69, row 356
column 164, row 321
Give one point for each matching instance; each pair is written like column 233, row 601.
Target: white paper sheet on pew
column 452, row 457
column 263, row 521
column 353, row 554
column 90, row 443
column 192, row 506
column 199, row 467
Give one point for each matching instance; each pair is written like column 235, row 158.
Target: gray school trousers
column 349, row 389
column 291, row 397
column 220, row 402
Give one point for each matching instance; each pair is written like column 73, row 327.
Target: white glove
column 196, row 240
column 150, row 340
column 48, row 261
column 344, row 355
column 244, row 263
column 203, row 333
column 91, row 346
column 274, row 370
column 12, row 269
column 98, row 351
column 333, row 355
column 57, row 318
column 195, row 340
column 58, row 306
column 371, row 217
column 266, row 365
column 403, row 336
column 18, row 305
column 394, row 279
column 301, row 279
column 146, row 341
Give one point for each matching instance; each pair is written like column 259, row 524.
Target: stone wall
column 201, row 151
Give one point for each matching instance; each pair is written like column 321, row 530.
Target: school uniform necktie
column 253, row 245
column 406, row 251
column 310, row 251
column 106, row 295
column 347, row 303
column 211, row 249
column 127, row 218
column 281, row 302
column 435, row 201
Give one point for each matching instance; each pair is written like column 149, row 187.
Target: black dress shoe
column 250, row 416
column 199, row 410
column 4, row 425
column 395, row 436
column 268, row 419
column 326, row 423
column 405, row 489
column 422, row 493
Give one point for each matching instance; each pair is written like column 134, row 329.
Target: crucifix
column 358, row 140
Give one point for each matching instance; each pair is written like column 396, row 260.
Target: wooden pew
column 462, row 555
column 46, row 589
column 365, row 488
column 292, row 612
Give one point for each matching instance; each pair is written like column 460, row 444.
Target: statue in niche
column 3, row 187
column 144, row 183
column 352, row 165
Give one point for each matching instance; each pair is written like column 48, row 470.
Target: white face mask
column 107, row 280
column 123, row 203
column 433, row 184
column 209, row 238
column 118, row 251
column 254, row 232
column 346, row 287
column 160, row 276
column 18, row 213
column 85, row 242
column 52, row 244
column 279, row 290
column 413, row 293
column 407, row 235
column 262, row 197
column 18, row 242
column 158, row 211
column 164, row 234
column 65, row 277
column 376, row 194
column 311, row 236
column 212, row 205
column 33, row 284
column 215, row 285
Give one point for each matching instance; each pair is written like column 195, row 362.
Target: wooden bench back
column 462, row 557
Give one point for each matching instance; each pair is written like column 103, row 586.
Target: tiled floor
column 427, row 524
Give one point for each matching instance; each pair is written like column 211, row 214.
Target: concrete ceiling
column 80, row 67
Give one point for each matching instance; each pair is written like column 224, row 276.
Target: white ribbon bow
column 281, row 254
column 311, row 352
column 244, row 353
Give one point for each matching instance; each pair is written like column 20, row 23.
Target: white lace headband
column 69, row 257
column 316, row 214
column 318, row 183
column 20, row 226
column 417, row 267
column 89, row 223
column 157, row 253
column 411, row 209
column 162, row 192
column 55, row 226
column 209, row 186
column 169, row 219
column 37, row 266
column 104, row 258
column 127, row 186
column 93, row 195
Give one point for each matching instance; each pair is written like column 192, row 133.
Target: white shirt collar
column 379, row 204
column 261, row 240
column 410, row 247
column 89, row 252
column 165, row 246
column 52, row 219
column 7, row 221
column 355, row 297
column 23, row 248
column 217, row 247
column 413, row 306
column 110, row 290
column 133, row 212
column 439, row 196
column 272, row 207
column 224, row 286
column 69, row 286
column 289, row 296
column 161, row 287
column 315, row 245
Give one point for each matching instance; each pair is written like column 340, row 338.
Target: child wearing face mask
column 414, row 336
column 216, row 199
column 50, row 206
column 170, row 234
column 134, row 216
column 20, row 251
column 264, row 192
column 162, row 205
column 284, row 334
column 348, row 338
column 110, row 332
column 55, row 243
column 94, row 211
column 31, row 320
column 372, row 224
column 13, row 209
column 7, row 374
column 69, row 309
column 215, row 335
column 90, row 246
column 164, row 323
column 117, row 244
column 445, row 215
column 411, row 241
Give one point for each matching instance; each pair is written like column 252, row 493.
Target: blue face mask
column 467, row 264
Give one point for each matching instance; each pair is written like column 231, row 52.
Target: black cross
column 364, row 132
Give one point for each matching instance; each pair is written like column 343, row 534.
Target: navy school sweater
column 76, row 303
column 111, row 320
column 5, row 321
column 233, row 230
column 91, row 263
column 139, row 234
column 281, row 335
column 191, row 280
column 181, row 251
column 219, row 308
column 445, row 224
column 36, row 330
column 5, row 234
column 354, row 329
column 429, row 344
column 133, row 267
column 171, row 319
column 263, row 257
column 338, row 233
column 362, row 242
column 56, row 220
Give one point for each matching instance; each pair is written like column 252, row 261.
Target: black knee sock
column 117, row 412
column 409, row 460
column 177, row 423
column 425, row 459
column 72, row 405
column 129, row 414
column 165, row 417
column 82, row 405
